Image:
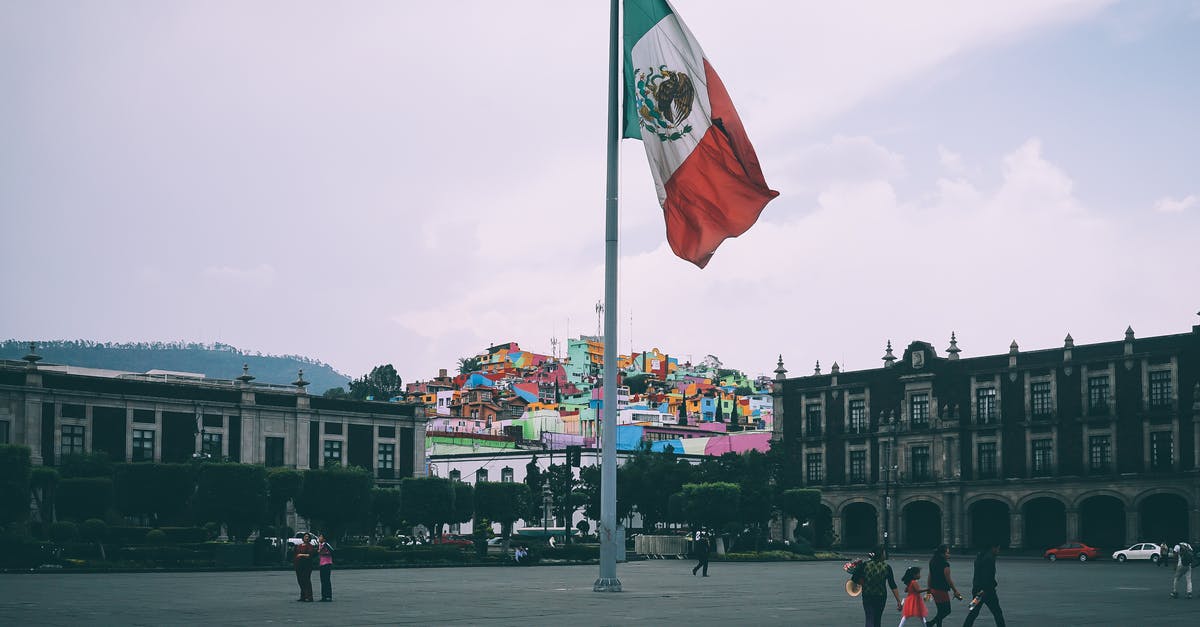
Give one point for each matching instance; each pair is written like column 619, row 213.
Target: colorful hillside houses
column 520, row 400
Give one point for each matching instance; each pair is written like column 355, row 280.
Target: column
column 29, row 431
column 1016, row 530
column 1131, row 526
column 1072, row 524
column 948, row 518
column 836, row 523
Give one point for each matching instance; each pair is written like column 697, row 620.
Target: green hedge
column 407, row 555
column 165, row 555
column 24, row 553
column 571, row 552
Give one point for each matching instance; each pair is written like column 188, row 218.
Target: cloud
column 1168, row 204
column 262, row 274
column 951, row 161
column 842, row 159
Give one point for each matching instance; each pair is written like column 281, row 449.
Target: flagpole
column 608, row 582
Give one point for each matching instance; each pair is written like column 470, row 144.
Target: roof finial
column 954, row 350
column 1129, row 334
column 780, row 371
column 246, row 377
column 888, row 357
column 835, row 369
column 32, row 358
column 300, row 382
column 1012, row 348
column 817, row 368
column 1068, row 342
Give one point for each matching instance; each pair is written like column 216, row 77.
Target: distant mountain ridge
column 217, row 361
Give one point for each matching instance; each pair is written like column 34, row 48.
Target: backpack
column 1186, row 554
column 874, row 578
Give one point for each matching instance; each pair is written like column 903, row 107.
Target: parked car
column 454, row 539
column 1139, row 551
column 1071, row 551
column 496, row 541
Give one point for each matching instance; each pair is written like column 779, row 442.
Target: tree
column 335, row 498
column 158, row 491
column 42, row 481
column 464, row 502
column 385, row 509
column 712, row 505
column 802, row 504
column 83, row 498
column 565, row 497
column 648, row 479
column 467, row 365
column 534, row 480
column 15, row 472
column 337, row 392
column 283, row 484
column 502, row 503
column 637, row 383
column 381, row 384
column 234, row 495
column 428, row 501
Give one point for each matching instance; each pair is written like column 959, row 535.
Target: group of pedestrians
column 302, row 559
column 876, row 580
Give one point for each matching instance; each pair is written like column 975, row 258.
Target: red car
column 1072, row 551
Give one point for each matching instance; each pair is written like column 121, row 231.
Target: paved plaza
column 656, row 592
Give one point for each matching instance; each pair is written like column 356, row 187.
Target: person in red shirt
column 302, row 559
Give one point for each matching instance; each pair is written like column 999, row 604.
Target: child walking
column 914, row 605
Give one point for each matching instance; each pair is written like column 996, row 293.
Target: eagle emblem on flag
column 664, row 102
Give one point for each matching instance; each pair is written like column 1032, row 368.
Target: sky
column 410, row 182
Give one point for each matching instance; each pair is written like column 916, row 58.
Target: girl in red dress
column 914, row 605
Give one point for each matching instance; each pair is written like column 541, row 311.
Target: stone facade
column 59, row 410
column 1097, row 443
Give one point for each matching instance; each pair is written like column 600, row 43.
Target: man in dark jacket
column 876, row 579
column 983, row 586
column 702, row 549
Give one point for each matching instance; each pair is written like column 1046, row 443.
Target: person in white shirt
column 1183, row 568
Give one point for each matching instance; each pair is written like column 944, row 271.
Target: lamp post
column 890, row 468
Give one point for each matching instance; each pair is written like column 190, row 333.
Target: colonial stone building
column 177, row 417
column 1095, row 442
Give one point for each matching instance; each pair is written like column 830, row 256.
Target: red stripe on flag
column 719, row 190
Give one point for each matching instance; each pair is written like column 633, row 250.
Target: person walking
column 983, row 587
column 1184, row 554
column 941, row 583
column 914, row 605
column 325, row 553
column 702, row 549
column 876, row 577
column 1163, row 555
column 302, row 560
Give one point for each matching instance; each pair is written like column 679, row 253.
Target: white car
column 1140, row 551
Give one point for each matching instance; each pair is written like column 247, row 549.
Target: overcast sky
column 409, row 182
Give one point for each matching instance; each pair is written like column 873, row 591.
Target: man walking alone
column 1183, row 568
column 983, row 586
column 702, row 549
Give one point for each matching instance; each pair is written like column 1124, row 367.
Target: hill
column 218, row 361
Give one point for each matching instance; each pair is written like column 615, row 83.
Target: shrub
column 572, row 552
column 64, row 531
column 123, row 535
column 156, row 537
column 23, row 553
column 185, row 535
column 80, row 499
column 93, row 530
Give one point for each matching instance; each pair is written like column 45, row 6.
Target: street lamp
column 889, row 468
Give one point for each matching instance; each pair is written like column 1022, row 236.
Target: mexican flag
column 708, row 179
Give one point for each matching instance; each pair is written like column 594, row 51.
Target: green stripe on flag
column 640, row 17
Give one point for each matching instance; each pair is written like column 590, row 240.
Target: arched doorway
column 1102, row 522
column 922, row 525
column 1045, row 522
column 1164, row 518
column 989, row 523
column 860, row 526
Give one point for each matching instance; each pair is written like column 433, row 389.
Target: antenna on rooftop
column 599, row 318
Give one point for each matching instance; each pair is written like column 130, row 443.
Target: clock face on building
column 918, row 359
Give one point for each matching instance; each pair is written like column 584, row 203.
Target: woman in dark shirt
column 941, row 583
